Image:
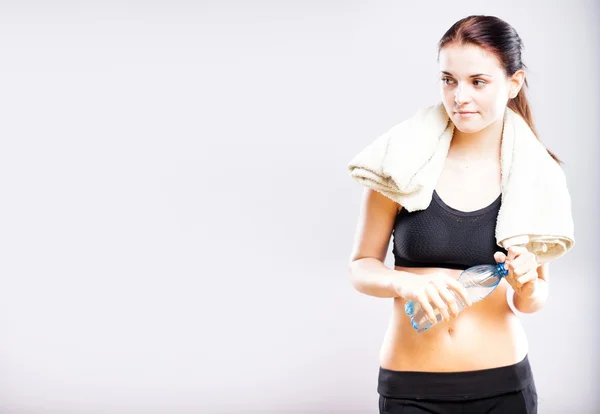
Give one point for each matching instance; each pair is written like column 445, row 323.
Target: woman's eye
column 477, row 82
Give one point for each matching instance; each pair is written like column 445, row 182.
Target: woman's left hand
column 522, row 269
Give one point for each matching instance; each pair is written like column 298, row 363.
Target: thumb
column 499, row 257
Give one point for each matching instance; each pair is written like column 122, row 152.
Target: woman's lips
column 465, row 114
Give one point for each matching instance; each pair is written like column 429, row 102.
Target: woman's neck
column 484, row 144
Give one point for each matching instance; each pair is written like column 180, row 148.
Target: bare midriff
column 487, row 334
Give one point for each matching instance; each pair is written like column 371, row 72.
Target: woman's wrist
column 371, row 277
column 534, row 300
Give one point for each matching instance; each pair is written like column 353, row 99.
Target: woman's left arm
column 528, row 278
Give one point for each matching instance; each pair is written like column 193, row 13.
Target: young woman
column 475, row 360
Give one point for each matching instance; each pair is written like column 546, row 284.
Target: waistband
column 455, row 385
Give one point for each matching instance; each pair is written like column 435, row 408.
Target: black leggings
column 503, row 390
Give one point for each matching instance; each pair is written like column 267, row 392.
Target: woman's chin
column 466, row 129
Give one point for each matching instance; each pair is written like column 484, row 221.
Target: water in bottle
column 480, row 281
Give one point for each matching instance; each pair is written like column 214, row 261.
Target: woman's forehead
column 467, row 60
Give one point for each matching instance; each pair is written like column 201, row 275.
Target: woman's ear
column 516, row 83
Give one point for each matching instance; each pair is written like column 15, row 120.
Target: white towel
column 405, row 164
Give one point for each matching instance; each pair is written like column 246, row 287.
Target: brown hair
column 501, row 40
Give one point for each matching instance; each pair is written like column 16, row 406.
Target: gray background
column 177, row 217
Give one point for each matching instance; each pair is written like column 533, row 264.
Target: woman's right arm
column 368, row 273
column 371, row 277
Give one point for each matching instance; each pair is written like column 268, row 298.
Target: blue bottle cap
column 501, row 269
column 409, row 308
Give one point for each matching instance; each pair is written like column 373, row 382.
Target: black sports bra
column 442, row 236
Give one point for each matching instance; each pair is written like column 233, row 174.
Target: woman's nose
column 461, row 96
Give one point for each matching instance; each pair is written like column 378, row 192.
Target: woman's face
column 473, row 81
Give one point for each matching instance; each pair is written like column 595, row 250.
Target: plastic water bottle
column 480, row 281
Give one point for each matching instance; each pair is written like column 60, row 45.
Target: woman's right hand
column 435, row 288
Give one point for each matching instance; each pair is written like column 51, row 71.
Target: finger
column 525, row 263
column 529, row 259
column 522, row 270
column 434, row 296
column 450, row 301
column 518, row 261
column 499, row 257
column 525, row 258
column 528, row 277
column 515, row 251
column 424, row 301
column 510, row 268
column 460, row 289
column 511, row 279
